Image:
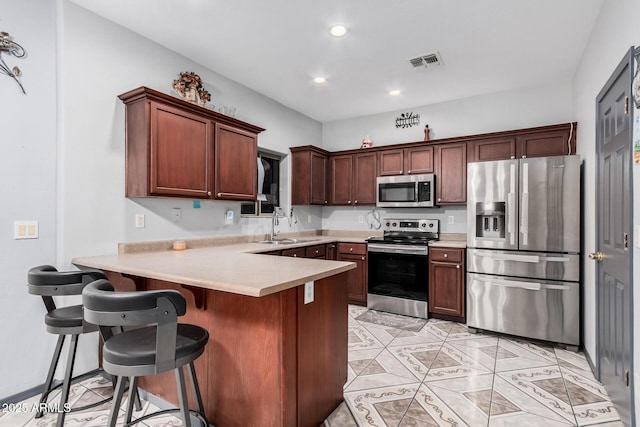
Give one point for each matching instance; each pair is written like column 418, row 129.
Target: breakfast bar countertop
column 237, row 268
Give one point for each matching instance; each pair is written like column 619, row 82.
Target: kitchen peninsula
column 272, row 359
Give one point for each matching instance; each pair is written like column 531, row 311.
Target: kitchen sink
column 286, row 241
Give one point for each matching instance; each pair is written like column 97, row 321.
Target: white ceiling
column 277, row 47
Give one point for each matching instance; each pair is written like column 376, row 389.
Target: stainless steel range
column 398, row 266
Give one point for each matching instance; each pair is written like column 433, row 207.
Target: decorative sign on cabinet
column 175, row 148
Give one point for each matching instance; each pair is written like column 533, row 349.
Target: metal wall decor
column 407, row 120
column 9, row 47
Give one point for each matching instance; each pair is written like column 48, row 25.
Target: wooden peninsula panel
column 271, row 360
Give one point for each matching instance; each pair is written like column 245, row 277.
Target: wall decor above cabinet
column 175, row 148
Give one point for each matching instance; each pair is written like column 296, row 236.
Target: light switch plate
column 25, row 230
column 139, row 221
column 636, row 236
column 308, row 292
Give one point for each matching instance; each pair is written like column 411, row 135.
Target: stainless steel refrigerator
column 523, row 247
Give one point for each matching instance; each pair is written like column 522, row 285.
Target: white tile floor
column 405, row 373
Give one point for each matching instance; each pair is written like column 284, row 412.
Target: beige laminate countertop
column 237, row 268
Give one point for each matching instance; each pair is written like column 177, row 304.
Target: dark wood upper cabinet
column 492, row 149
column 309, row 170
column 390, row 162
column 341, row 180
column 547, row 143
column 179, row 152
column 235, row 169
column 555, row 140
column 451, row 173
column 408, row 161
column 178, row 149
column 364, row 178
column 419, row 160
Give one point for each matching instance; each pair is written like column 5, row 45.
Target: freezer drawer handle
column 509, row 257
column 531, row 286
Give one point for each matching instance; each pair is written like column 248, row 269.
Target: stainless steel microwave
column 405, row 191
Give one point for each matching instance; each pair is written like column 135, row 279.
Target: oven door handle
column 371, row 247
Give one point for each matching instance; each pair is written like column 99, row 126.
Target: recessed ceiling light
column 394, row 93
column 338, row 30
column 319, row 80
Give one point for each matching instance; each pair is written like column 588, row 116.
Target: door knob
column 597, row 256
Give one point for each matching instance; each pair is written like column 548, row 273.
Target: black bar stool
column 164, row 346
column 48, row 282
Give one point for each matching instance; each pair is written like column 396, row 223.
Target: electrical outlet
column 228, row 218
column 139, row 221
column 360, row 218
column 25, row 230
column 176, row 214
column 309, row 218
column 308, row 292
column 450, row 219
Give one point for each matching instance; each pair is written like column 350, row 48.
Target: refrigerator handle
column 530, row 286
column 511, row 199
column 524, row 214
column 509, row 257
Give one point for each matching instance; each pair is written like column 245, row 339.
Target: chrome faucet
column 274, row 222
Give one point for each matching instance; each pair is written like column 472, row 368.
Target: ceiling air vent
column 428, row 60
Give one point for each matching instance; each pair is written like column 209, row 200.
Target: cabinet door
column 446, row 282
column 542, row 144
column 331, row 251
column 356, row 278
column 318, row 179
column 235, row 164
column 419, row 160
column 294, row 252
column 492, row 149
column 364, row 178
column 180, row 162
column 390, row 162
column 451, row 174
column 341, row 173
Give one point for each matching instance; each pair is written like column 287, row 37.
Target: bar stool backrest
column 48, row 282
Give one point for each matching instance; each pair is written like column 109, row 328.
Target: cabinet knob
column 363, row 258
column 350, row 249
column 401, row 172
column 458, row 266
column 446, row 255
column 356, row 202
column 208, row 193
column 219, row 194
column 348, row 202
column 513, row 157
column 439, row 199
column 295, row 255
column 524, row 157
column 325, row 202
column 409, row 171
column 317, row 251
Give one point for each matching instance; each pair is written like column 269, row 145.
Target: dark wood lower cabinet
column 356, row 279
column 447, row 284
column 270, row 361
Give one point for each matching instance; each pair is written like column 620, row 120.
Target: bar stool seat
column 138, row 346
column 67, row 318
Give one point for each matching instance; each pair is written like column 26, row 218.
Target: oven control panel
column 424, row 225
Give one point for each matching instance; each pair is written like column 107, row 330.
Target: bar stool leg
column 182, row 397
column 52, row 370
column 196, row 390
column 133, row 390
column 117, row 400
column 66, row 385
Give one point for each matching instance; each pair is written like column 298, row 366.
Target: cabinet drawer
column 446, row 254
column 352, row 248
column 316, row 251
column 294, row 252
